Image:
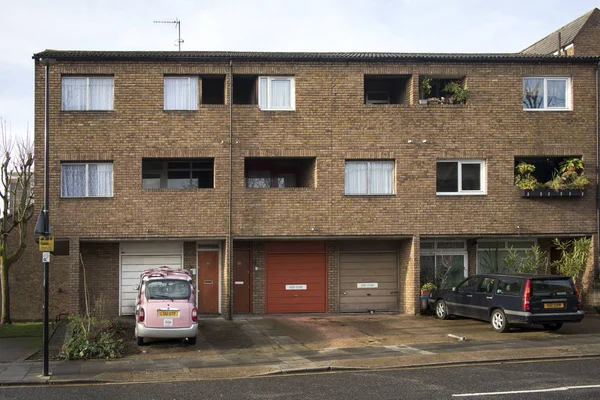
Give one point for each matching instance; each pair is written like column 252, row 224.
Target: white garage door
column 138, row 256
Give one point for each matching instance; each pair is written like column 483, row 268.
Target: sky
column 414, row 26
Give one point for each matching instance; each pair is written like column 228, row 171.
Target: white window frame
column 87, row 188
column 568, row 94
column 528, row 241
column 368, row 162
column 192, row 101
column 447, row 251
column 87, row 92
column 270, row 80
column 460, row 191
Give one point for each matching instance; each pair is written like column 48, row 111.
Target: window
column 443, row 262
column 276, row 93
column 460, row 177
column 385, row 89
column 244, row 89
column 213, row 90
column 279, row 172
column 86, row 180
column 181, row 92
column 509, row 286
column 469, row 285
column 168, row 289
column 80, row 93
column 369, row 177
column 486, row 285
column 491, row 254
column 177, row 173
column 546, row 94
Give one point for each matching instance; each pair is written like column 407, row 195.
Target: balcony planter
column 423, row 102
column 534, row 194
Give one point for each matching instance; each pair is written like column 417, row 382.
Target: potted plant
column 427, row 288
column 425, row 89
column 458, row 94
column 568, row 181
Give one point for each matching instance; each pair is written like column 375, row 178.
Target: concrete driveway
column 263, row 335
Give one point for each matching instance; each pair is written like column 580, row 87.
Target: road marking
column 557, row 389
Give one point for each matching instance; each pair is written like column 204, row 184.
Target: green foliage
column 574, row 254
column 21, row 329
column 429, row 286
column 458, row 93
column 93, row 338
column 426, row 86
column 524, row 178
column 571, row 164
column 530, row 261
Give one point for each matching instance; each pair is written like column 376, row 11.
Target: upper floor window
column 369, row 177
column 86, row 180
column 386, row 89
column 276, row 93
column 173, row 173
column 81, row 93
column 460, row 177
column 181, row 92
column 546, row 93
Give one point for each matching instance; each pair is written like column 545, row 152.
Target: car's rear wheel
column 553, row 327
column 140, row 340
column 441, row 310
column 192, row 340
column 499, row 322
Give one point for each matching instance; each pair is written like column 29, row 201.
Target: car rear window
column 509, row 286
column 551, row 287
column 167, row 290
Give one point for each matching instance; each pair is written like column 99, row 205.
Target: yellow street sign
column 47, row 243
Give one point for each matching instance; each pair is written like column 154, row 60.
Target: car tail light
column 527, row 295
column 578, row 297
column 194, row 314
column 141, row 315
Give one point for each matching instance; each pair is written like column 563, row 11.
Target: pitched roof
column 549, row 44
column 93, row 55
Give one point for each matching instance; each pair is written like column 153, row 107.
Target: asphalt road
column 577, row 379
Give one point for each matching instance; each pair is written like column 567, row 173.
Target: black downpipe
column 230, row 233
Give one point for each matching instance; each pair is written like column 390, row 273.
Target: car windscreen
column 166, row 289
column 551, row 287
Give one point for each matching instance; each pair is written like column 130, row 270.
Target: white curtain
column 100, row 180
column 381, row 177
column 557, row 90
column 263, row 89
column 280, row 93
column 181, row 93
column 86, row 180
column 100, row 93
column 356, row 177
column 73, row 180
column 74, row 93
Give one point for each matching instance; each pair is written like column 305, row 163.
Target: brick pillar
column 75, row 286
column 471, row 256
column 410, row 275
column 333, row 277
column 190, row 255
column 225, row 283
column 258, row 277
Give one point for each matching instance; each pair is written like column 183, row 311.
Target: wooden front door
column 208, row 282
column 241, row 281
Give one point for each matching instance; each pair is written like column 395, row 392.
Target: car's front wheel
column 553, row 327
column 499, row 322
column 441, row 309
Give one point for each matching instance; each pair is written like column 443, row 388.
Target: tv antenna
column 177, row 22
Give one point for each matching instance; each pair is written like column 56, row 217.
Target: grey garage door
column 368, row 278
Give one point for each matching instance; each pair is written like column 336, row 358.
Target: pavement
column 261, row 345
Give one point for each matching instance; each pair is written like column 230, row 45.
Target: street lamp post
column 46, row 211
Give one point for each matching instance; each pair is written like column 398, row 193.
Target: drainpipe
column 597, row 156
column 230, row 233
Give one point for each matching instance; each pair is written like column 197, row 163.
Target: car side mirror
column 454, row 288
column 136, row 287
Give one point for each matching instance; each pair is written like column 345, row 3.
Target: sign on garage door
column 138, row 256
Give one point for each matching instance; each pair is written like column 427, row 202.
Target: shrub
column 90, row 337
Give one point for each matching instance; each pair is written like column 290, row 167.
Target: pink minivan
column 166, row 305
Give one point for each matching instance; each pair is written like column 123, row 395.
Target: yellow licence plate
column 168, row 313
column 554, row 305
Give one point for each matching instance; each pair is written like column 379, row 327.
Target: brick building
column 346, row 192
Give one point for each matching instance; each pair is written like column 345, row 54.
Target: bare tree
column 16, row 201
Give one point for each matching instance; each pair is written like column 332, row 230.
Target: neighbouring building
column 307, row 182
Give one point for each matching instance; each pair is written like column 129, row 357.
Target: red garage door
column 296, row 277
